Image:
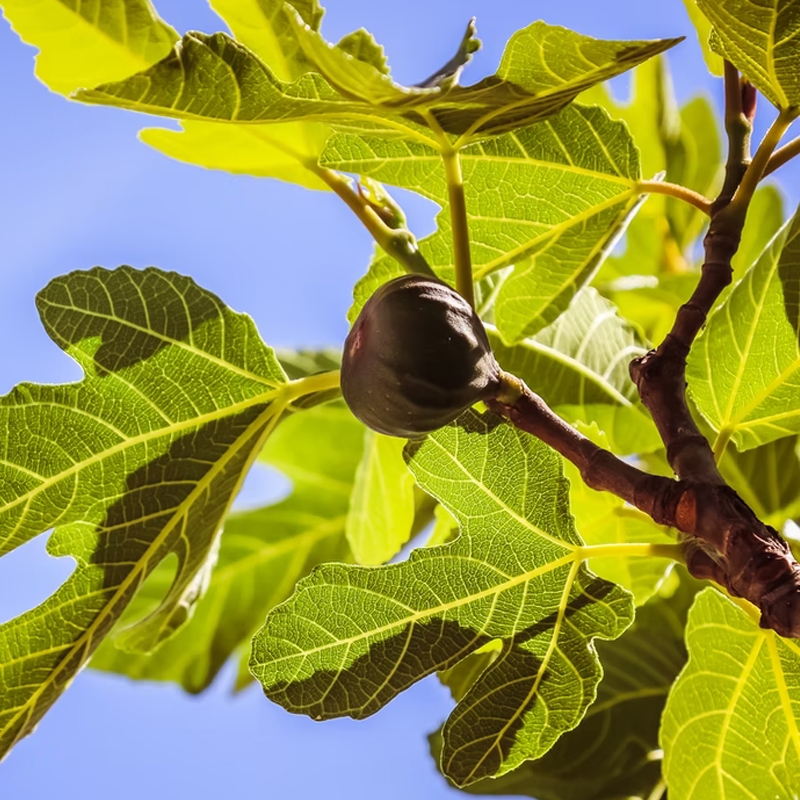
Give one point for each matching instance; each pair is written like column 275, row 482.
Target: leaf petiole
column 675, row 190
column 757, row 167
column 782, row 155
column 458, row 219
column 310, row 384
column 632, row 550
column 399, row 243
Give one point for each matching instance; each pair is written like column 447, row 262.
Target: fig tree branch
column 724, row 541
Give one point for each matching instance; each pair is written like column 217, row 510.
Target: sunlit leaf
column 86, row 43
column 703, row 28
column 744, row 371
column 213, row 77
column 576, row 172
column 764, row 219
column 515, row 573
column 760, row 39
column 694, row 159
column 287, row 151
column 579, row 365
column 382, row 504
column 264, row 27
column 614, row 752
column 767, row 478
column 730, row 727
column 138, row 461
column 651, row 302
column 263, row 553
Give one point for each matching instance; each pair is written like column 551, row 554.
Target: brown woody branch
column 724, row 540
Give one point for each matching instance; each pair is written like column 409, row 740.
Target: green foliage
column 528, row 575
column 382, row 504
column 611, row 755
column 577, row 174
column 83, row 44
column 743, row 372
column 138, row 461
column 527, row 586
column 262, row 554
column 758, row 39
column 730, row 724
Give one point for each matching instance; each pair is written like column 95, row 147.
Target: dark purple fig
column 416, row 358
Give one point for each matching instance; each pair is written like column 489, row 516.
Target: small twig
column 399, row 243
column 727, row 542
column 674, row 190
column 739, row 128
column 755, row 171
column 781, row 156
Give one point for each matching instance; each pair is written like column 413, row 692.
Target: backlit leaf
column 703, row 28
column 382, row 503
column 213, row 77
column 744, row 370
column 614, row 752
column 764, row 219
column 767, row 478
column 730, row 727
column 759, row 39
column 579, row 365
column 576, row 171
column 86, row 43
column 138, row 461
column 287, row 151
column 263, row 553
column 516, row 573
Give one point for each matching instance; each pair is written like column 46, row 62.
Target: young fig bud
column 416, row 357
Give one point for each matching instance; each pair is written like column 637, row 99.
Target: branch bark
column 723, row 539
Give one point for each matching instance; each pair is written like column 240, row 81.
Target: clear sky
column 79, row 190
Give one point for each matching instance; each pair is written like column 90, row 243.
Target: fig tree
column 416, row 357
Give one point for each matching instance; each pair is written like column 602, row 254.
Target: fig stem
column 782, row 155
column 458, row 220
column 399, row 243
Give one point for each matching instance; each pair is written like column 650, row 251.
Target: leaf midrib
column 432, row 611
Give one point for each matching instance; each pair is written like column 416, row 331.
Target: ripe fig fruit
column 416, row 357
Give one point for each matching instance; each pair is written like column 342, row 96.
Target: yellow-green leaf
column 759, row 39
column 86, row 43
column 730, row 727
column 382, row 503
column 138, row 461
column 351, row 638
column 744, row 370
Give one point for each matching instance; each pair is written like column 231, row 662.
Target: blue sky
column 78, row 190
